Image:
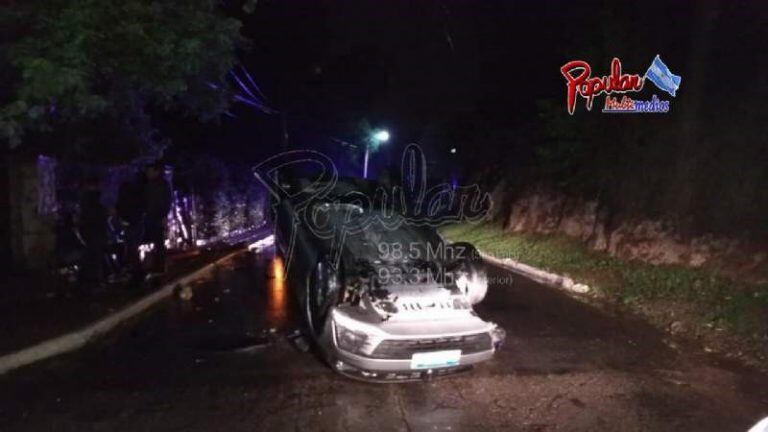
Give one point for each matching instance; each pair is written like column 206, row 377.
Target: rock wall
column 650, row 241
column 32, row 229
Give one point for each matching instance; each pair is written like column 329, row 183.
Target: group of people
column 107, row 241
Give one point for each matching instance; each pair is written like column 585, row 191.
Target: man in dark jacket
column 93, row 229
column 130, row 210
column 157, row 204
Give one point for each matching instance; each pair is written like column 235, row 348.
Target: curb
column 538, row 275
column 79, row 338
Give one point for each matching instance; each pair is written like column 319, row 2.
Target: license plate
column 435, row 359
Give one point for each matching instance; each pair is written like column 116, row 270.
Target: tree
column 82, row 60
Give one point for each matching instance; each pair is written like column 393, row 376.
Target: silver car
column 385, row 299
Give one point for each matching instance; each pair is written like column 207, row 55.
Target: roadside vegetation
column 674, row 297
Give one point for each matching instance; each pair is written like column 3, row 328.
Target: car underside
column 390, row 300
column 383, row 318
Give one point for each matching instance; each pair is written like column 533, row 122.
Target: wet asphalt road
column 211, row 363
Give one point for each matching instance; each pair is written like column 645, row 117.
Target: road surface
column 221, row 361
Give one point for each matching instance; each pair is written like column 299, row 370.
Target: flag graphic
column 660, row 75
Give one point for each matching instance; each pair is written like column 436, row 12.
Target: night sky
column 415, row 66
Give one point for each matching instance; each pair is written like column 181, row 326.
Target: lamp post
column 377, row 138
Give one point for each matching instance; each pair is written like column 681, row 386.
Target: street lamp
column 381, row 136
column 376, row 139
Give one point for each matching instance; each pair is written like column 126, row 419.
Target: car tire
column 324, row 284
column 472, row 277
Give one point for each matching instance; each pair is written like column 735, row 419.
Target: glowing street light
column 381, row 136
column 377, row 138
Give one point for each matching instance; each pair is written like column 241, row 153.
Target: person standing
column 157, row 204
column 130, row 210
column 93, row 229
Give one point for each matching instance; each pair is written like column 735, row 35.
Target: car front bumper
column 370, row 366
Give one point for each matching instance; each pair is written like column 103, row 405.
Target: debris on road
column 224, row 344
column 186, row 293
column 298, row 340
column 676, row 327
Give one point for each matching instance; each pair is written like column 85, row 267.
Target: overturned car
column 383, row 299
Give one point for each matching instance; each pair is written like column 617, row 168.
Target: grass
column 721, row 302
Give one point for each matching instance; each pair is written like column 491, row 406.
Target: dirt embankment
column 650, row 241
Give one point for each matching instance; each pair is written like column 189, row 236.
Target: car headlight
column 352, row 341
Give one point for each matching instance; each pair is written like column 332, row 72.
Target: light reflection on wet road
column 221, row 361
column 278, row 309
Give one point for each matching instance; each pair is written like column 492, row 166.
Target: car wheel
column 323, row 288
column 469, row 271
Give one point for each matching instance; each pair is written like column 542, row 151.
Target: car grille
column 404, row 348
